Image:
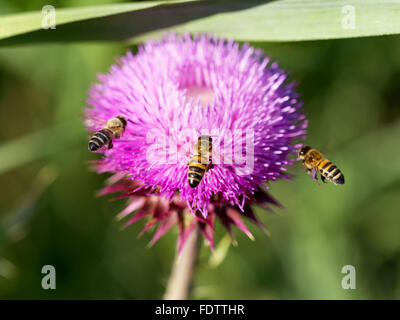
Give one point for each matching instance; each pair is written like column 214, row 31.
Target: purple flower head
column 179, row 88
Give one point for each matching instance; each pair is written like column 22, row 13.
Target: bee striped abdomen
column 199, row 161
column 196, row 170
column 100, row 139
column 330, row 171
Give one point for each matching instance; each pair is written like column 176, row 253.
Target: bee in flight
column 200, row 161
column 113, row 130
column 315, row 161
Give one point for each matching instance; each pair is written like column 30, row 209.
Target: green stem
column 180, row 281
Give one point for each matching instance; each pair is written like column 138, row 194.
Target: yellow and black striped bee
column 315, row 161
column 200, row 161
column 113, row 130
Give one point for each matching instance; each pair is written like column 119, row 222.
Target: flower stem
column 180, row 280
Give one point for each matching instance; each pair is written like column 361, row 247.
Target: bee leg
column 323, row 179
column 210, row 165
column 313, row 173
column 110, row 145
column 117, row 136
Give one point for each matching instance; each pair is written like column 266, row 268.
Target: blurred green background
column 49, row 214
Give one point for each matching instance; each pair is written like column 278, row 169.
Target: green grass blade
column 23, row 150
column 284, row 20
column 15, row 24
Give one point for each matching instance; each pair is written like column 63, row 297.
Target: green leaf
column 285, row 20
column 14, row 24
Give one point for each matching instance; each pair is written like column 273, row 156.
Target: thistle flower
column 171, row 92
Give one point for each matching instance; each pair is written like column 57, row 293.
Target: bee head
column 302, row 151
column 123, row 121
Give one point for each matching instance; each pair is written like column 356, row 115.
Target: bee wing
column 117, row 141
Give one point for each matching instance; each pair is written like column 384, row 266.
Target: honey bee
column 113, row 130
column 315, row 161
column 200, row 161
